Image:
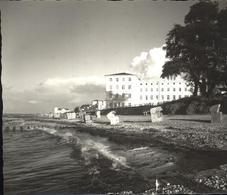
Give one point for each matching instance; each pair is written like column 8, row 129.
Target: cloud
column 55, row 85
column 62, row 92
column 53, row 82
column 149, row 64
column 88, row 88
column 33, row 102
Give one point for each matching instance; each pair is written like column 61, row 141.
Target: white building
column 59, row 112
column 70, row 115
column 124, row 89
column 99, row 104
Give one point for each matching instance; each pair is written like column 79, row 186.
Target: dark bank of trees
column 198, row 49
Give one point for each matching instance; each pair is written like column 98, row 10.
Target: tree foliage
column 197, row 49
column 77, row 109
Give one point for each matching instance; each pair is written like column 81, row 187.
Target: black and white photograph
column 114, row 97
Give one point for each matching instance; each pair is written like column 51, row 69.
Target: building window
column 116, row 96
column 117, row 79
column 185, row 89
column 179, row 89
column 146, row 89
column 141, row 84
column 123, row 87
column 117, row 87
column 151, row 83
column 129, row 79
column 162, row 97
column 157, row 83
column 141, row 97
column 146, row 83
column 162, row 89
column 174, row 97
column 167, row 97
column 110, row 87
column 157, row 89
column 151, row 89
column 179, row 82
column 123, row 95
column 179, row 96
column 123, row 79
column 157, row 97
column 162, row 83
column 110, row 79
column 173, row 83
column 146, row 97
column 167, row 83
column 151, row 97
column 122, row 104
column 167, row 89
column 141, row 89
column 129, row 87
column 174, row 89
column 129, row 95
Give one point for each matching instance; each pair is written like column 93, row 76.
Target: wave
column 67, row 137
column 104, row 150
column 140, row 148
column 90, row 148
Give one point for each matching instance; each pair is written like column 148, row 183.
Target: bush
column 197, row 107
column 188, row 105
column 193, row 105
column 174, row 108
column 138, row 110
column 224, row 105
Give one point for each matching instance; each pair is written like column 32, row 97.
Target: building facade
column 99, row 104
column 60, row 112
column 70, row 115
column 125, row 89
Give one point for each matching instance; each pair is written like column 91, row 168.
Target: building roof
column 119, row 74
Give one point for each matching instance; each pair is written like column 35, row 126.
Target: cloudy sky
column 56, row 53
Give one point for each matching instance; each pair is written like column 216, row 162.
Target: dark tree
column 197, row 50
column 222, row 28
column 77, row 110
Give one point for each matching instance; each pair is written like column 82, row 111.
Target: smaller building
column 47, row 115
column 71, row 115
column 50, row 115
column 60, row 112
column 99, row 104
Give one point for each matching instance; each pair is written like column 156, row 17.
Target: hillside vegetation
column 189, row 105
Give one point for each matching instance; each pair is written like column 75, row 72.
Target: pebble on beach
column 214, row 178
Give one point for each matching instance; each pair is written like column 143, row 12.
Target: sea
column 67, row 161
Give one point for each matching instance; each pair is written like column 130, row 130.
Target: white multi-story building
column 125, row 89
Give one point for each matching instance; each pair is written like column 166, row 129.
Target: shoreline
column 197, row 135
column 176, row 131
column 175, row 135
